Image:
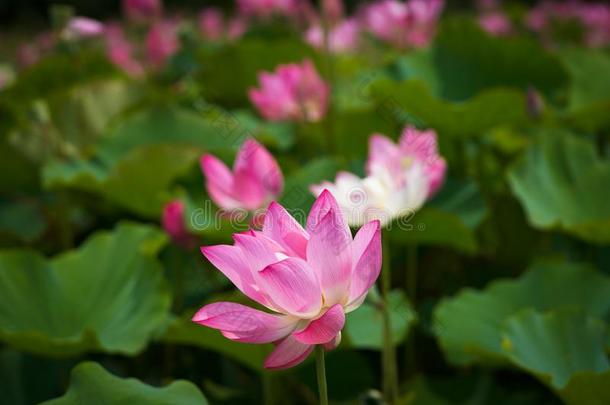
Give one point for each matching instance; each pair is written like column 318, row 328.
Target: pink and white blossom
column 414, row 147
column 309, row 278
column 256, row 178
column 294, row 92
column 400, row 178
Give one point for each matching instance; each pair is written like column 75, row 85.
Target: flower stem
column 321, row 373
column 411, row 289
column 390, row 379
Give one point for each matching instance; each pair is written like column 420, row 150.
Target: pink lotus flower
column 161, row 42
column 343, row 37
column 293, row 92
column 173, row 223
column 410, row 24
column 255, row 181
column 142, row 10
column 495, row 23
column 83, row 27
column 413, row 147
column 310, row 278
column 399, row 179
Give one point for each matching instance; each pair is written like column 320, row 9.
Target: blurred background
column 500, row 280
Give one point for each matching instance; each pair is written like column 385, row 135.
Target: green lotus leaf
column 412, row 102
column 468, row 60
column 564, row 184
column 108, row 295
column 91, row 383
column 469, row 325
column 363, row 327
column 433, row 226
column 589, row 94
column 556, row 344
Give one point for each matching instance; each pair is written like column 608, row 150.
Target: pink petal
column 293, row 286
column 324, row 204
column 219, row 182
column 280, row 226
column 258, row 251
column 420, row 144
column 381, row 151
column 244, row 324
column 323, row 329
column 289, row 353
column 329, row 248
column 333, row 343
column 255, row 159
column 367, row 256
column 436, row 175
column 249, row 190
column 231, row 261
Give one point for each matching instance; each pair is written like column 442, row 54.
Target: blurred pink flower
column 142, row 10
column 268, row 8
column 120, row 51
column 400, row 178
column 173, row 223
column 83, row 27
column 414, row 147
column 255, row 181
column 214, row 27
column 495, row 23
column 409, row 24
column 211, row 23
column 161, row 42
column 28, row 54
column 292, row 92
column 236, row 27
column 594, row 18
column 310, row 278
column 343, row 37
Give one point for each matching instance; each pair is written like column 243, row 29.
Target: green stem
column 321, row 373
column 411, row 286
column 390, row 378
column 411, row 289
